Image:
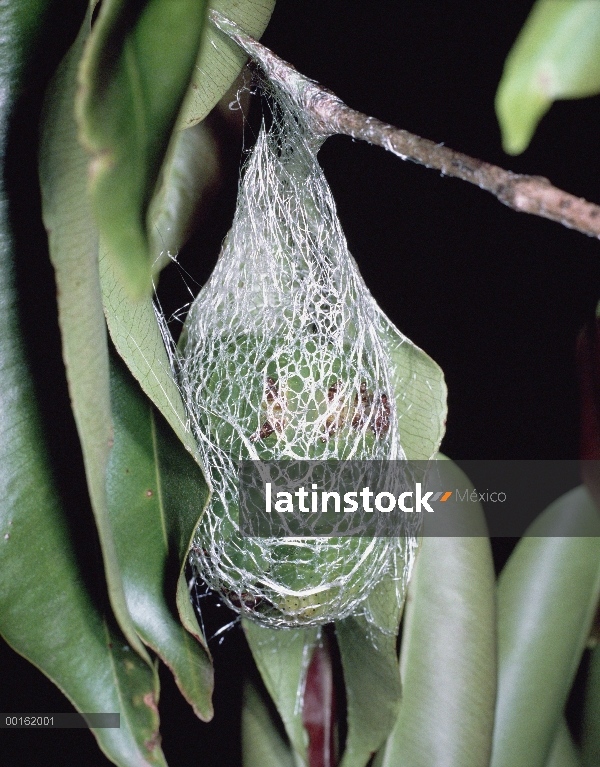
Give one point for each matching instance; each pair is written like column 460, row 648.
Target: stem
column 330, row 116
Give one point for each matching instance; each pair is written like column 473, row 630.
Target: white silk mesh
column 284, row 356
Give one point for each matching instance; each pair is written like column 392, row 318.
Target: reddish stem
column 318, row 713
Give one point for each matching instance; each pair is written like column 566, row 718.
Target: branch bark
column 331, row 116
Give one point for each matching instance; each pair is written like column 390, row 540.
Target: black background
column 495, row 297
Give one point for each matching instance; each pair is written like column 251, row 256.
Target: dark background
column 495, row 297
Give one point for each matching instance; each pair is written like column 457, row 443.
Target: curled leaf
column 134, row 74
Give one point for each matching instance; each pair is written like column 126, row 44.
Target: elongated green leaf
column 46, row 614
column 156, row 493
column 221, row 60
column 262, row 743
column 590, row 739
column 556, row 56
column 564, row 752
column 128, row 158
column 136, row 335
column 73, row 245
column 372, row 681
column 547, row 596
column 133, row 325
column 134, row 75
column 188, row 178
column 448, row 653
column 282, row 657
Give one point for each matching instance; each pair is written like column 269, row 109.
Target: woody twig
column 330, row 116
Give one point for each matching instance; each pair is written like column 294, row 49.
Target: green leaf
column 133, row 77
column 555, row 56
column 137, row 337
column 188, row 178
column 262, row 743
column 133, row 325
column 282, row 657
column 448, row 652
column 372, row 682
column 46, row 613
column 156, row 493
column 135, row 332
column 564, row 752
column 132, row 155
column 590, row 739
column 73, row 243
column 421, row 395
column 221, row 60
column 549, row 581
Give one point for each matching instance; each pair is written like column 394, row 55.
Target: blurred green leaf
column 73, row 243
column 131, row 41
column 262, row 743
column 133, row 77
column 448, row 651
column 547, row 596
column 420, row 396
column 156, row 493
column 221, row 60
column 282, row 657
column 564, row 752
column 555, row 56
column 46, row 613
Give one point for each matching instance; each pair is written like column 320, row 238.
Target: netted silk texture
column 284, row 357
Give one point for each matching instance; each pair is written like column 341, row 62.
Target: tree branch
column 330, row 116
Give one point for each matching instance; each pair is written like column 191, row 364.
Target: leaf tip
column 519, row 109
